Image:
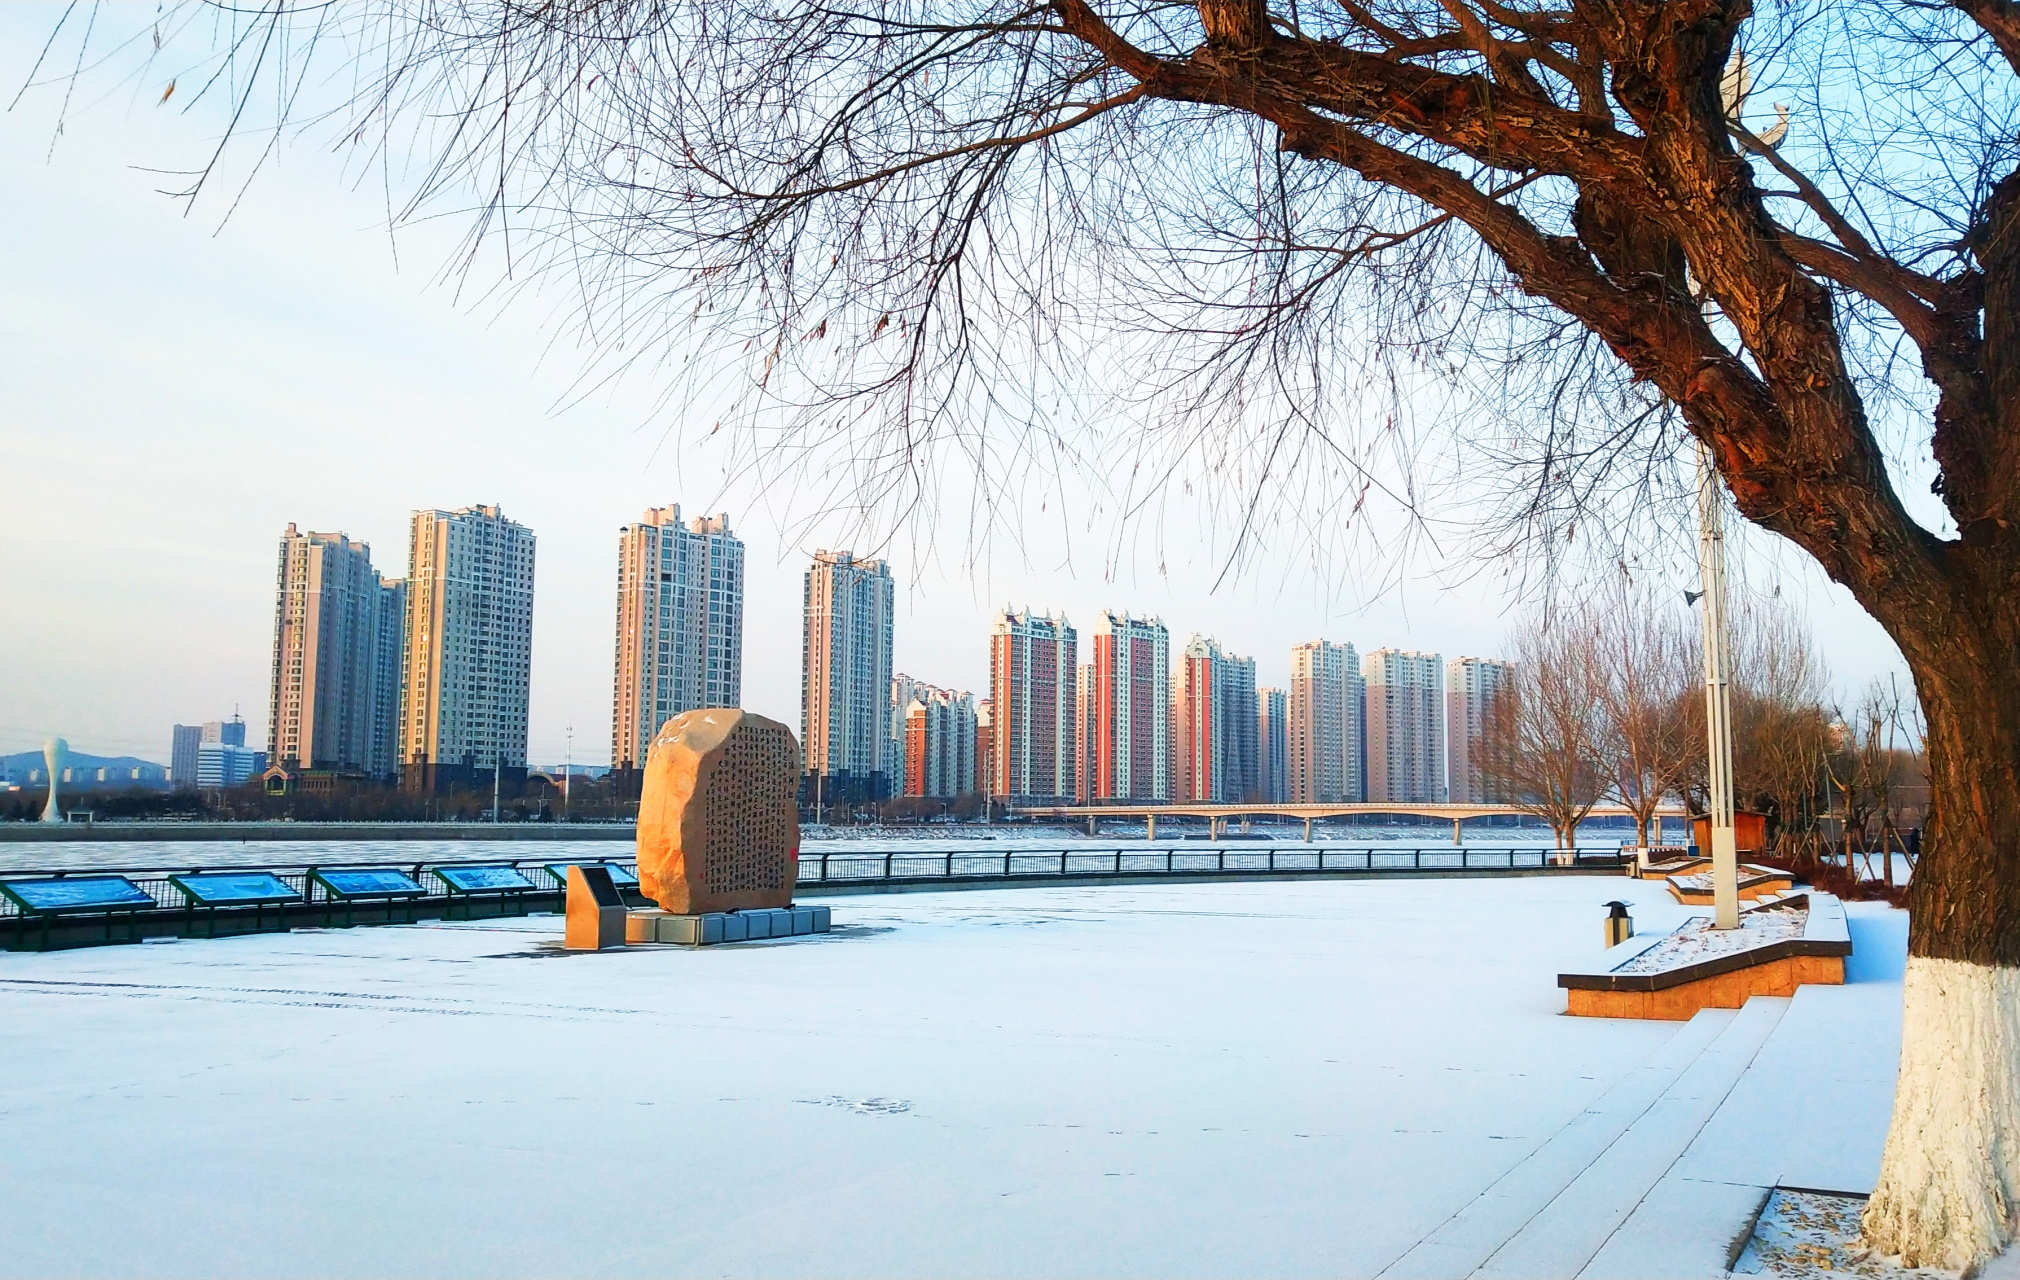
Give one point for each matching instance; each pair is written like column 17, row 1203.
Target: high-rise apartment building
column 1323, row 735
column 1084, row 722
column 1131, row 709
column 845, row 680
column 182, row 744
column 1214, row 725
column 1273, row 737
column 939, row 742
column 468, row 654
column 1406, row 725
column 333, row 693
column 1471, row 687
column 1032, row 659
column 679, row 626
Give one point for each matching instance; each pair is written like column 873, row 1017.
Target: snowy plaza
column 1335, row 1078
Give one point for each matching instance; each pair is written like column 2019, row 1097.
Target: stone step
column 1843, row 1043
column 1567, row 1233
column 1465, row 1240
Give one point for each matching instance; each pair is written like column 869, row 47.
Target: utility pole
column 567, row 773
column 1717, row 693
column 497, row 774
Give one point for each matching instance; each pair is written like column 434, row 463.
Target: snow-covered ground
column 1225, row 1079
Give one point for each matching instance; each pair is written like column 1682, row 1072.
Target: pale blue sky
column 173, row 393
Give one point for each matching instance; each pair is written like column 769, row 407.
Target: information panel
column 235, row 888
column 376, row 882
column 619, row 876
column 81, row 893
column 483, row 879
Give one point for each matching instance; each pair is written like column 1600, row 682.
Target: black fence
column 841, row 870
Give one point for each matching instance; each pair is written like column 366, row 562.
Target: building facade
column 845, row 679
column 1032, row 660
column 1471, row 687
column 225, row 764
column 468, row 652
column 1406, row 725
column 1131, row 711
column 1324, row 728
column 1215, row 729
column 939, row 742
column 1273, row 740
column 329, row 706
column 680, row 591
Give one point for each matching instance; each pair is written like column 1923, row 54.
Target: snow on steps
column 1553, row 1213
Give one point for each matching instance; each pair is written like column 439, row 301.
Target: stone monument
column 718, row 822
column 52, row 762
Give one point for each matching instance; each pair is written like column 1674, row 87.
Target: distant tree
column 1652, row 699
column 1545, row 741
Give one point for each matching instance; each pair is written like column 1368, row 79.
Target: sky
column 177, row 386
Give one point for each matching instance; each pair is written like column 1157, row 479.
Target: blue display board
column 376, row 882
column 483, row 879
column 235, row 888
column 622, row 877
column 81, row 893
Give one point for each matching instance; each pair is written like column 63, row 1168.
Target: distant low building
column 221, row 764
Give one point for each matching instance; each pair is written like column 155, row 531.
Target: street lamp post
column 1717, row 693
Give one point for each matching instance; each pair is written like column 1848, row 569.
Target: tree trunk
column 1949, row 1189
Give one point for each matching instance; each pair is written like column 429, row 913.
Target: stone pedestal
column 718, row 826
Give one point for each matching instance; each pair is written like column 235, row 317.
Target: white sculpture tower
column 52, row 760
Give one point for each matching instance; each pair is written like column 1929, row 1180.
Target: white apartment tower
column 845, row 681
column 1471, row 686
column 469, row 646
column 679, row 626
column 334, row 692
column 939, row 742
column 1324, row 743
column 1406, row 726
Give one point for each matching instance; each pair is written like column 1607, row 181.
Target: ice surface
column 1224, row 1079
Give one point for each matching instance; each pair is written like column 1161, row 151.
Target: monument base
column 653, row 925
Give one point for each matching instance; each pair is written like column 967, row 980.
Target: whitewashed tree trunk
column 1949, row 1190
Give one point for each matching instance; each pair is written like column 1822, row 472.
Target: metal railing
column 895, row 866
column 1025, row 864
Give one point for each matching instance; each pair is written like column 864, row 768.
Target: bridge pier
column 1150, row 826
column 1308, row 830
column 1458, row 831
column 1093, row 825
column 1213, row 828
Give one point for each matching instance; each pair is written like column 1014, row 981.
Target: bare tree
column 1652, row 699
column 1781, row 723
column 1544, row 742
column 1273, row 224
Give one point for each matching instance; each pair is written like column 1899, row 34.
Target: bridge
column 1217, row 816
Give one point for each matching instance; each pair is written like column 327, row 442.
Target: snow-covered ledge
column 1780, row 945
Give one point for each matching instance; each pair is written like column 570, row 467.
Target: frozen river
column 170, row 854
